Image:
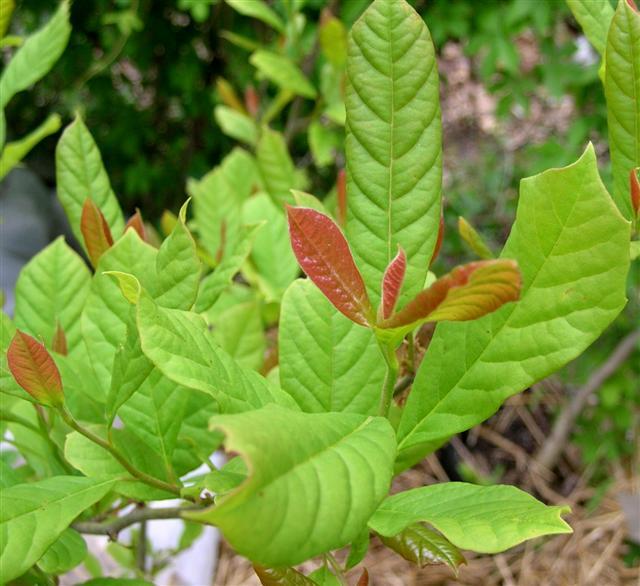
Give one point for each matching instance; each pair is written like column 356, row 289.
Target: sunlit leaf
column 136, row 223
column 324, row 255
column 260, row 10
column 283, row 72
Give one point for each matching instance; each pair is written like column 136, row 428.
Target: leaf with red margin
column 95, row 231
column 34, row 370
column 324, row 255
column 468, row 292
column 136, row 223
column 436, row 250
column 59, row 341
column 392, row 283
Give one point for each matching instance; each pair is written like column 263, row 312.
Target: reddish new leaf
column 364, row 578
column 323, row 253
column 436, row 250
column 341, row 196
column 392, row 283
column 95, row 231
column 468, row 292
column 135, row 223
column 252, row 101
column 59, row 341
column 34, row 369
column 634, row 188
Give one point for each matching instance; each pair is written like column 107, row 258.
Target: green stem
column 139, row 474
column 389, row 380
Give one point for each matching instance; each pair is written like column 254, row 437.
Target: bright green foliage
column 182, row 347
column 6, row 9
column 622, row 90
column 327, row 362
column 271, row 253
column 32, row 517
column 486, row 519
column 65, row 553
column 572, row 247
column 80, row 174
column 36, row 56
column 393, row 145
column 258, row 9
column 236, row 125
column 51, row 290
column 337, row 467
column 15, row 151
column 215, row 283
column 276, row 167
column 283, row 72
column 217, row 200
column 594, row 16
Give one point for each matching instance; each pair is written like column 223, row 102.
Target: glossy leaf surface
column 485, row 519
column 423, row 546
column 80, row 174
column 392, row 283
column 393, row 143
column 32, row 517
column 622, row 90
column 466, row 293
column 95, row 231
column 327, row 362
column 324, row 255
column 340, row 469
column 34, row 370
column 571, row 245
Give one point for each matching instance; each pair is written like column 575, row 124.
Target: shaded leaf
column 333, row 39
column 485, row 519
column 34, row 369
column 423, row 546
column 358, row 550
column 67, row 552
column 324, row 255
column 282, row 577
column 59, row 341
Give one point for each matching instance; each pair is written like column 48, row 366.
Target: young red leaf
column 436, row 250
column 468, row 292
column 323, row 253
column 341, row 196
column 34, row 369
column 95, row 231
column 59, row 341
column 364, row 578
column 252, row 101
column 392, row 283
column 135, row 222
column 634, row 188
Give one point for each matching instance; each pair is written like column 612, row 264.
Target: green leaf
column 485, row 519
column 393, row 144
column 622, row 90
column 116, row 582
column 80, row 174
column 571, row 245
column 218, row 197
column 283, row 72
column 260, row 10
column 333, row 41
column 338, row 467
column 473, row 239
column 34, row 515
column 594, row 16
column 271, row 252
column 276, row 167
column 6, row 9
column 52, row 289
column 64, row 554
column 224, row 480
column 214, row 284
column 327, row 362
column 323, row 576
column 282, row 577
column 240, row 333
column 323, row 142
column 358, row 550
column 236, row 125
column 423, row 546
column 15, row 151
column 36, row 56
column 180, row 344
